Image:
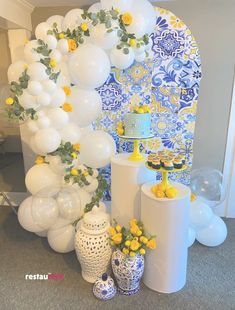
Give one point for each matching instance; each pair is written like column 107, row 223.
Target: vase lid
column 96, row 220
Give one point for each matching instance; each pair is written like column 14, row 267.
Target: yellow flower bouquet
column 133, row 240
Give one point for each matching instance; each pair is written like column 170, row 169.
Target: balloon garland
column 53, row 92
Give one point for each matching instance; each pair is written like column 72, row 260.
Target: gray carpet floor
column 210, row 283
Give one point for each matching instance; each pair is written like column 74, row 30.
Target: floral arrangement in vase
column 127, row 260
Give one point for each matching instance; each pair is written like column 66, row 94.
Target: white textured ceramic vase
column 92, row 244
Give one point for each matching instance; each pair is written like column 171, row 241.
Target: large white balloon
column 34, row 88
column 27, row 101
column 95, row 8
column 15, row 70
column 121, row 5
column 63, row 46
column 58, row 118
column 43, row 122
column 41, row 30
column 39, row 178
column 34, row 147
column 200, row 214
column 55, row 19
column 32, row 126
column 69, row 204
column 58, row 98
column 47, row 140
column 51, row 42
column 87, row 105
column 43, row 99
column 121, row 60
column 45, row 211
column 89, row 65
column 214, row 234
column 72, row 19
column 25, row 216
column 37, row 71
column 29, row 52
column 97, row 148
column 61, row 240
column 70, row 133
column 102, row 38
column 49, row 86
column 191, row 236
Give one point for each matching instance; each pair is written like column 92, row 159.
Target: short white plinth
column 168, row 219
column 127, row 177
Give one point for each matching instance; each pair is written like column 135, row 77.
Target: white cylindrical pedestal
column 126, row 180
column 168, row 219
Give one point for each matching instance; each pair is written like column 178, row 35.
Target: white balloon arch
column 53, row 91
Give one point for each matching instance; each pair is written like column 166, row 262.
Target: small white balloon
column 214, row 234
column 58, row 118
column 58, row 98
column 61, row 240
column 27, row 101
column 51, row 42
column 122, row 5
column 43, row 122
column 102, row 38
column 72, row 19
column 121, row 60
column 43, row 99
column 49, row 86
column 29, row 52
column 34, row 88
column 200, row 214
column 70, row 133
column 40, row 178
column 55, row 19
column 95, row 8
column 69, row 204
column 41, row 30
column 37, row 71
column 47, row 140
column 92, row 187
column 32, row 126
column 15, row 70
column 63, row 46
column 191, row 236
column 56, row 55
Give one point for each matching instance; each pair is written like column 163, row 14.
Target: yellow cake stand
column 136, row 155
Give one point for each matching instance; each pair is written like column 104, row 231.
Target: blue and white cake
column 137, row 125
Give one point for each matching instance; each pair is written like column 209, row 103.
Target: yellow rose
column 134, row 229
column 132, row 254
column 74, row 155
column 127, row 18
column 151, row 244
column 143, row 239
column 112, row 231
column 134, row 245
column 61, row 35
column 53, row 63
column 39, row 160
column 74, row 172
column 67, row 107
column 9, row 101
column 117, row 238
column 125, row 251
column 67, row 90
column 132, row 42
column 72, row 45
column 76, row 147
column 84, row 26
column 138, row 233
column 142, row 251
column 128, row 243
column 133, row 222
column 118, row 228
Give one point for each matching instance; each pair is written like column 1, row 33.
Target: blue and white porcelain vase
column 104, row 288
column 128, row 272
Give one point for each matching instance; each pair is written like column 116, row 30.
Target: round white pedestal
column 126, row 180
column 168, row 219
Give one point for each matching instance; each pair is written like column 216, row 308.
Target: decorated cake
column 137, row 124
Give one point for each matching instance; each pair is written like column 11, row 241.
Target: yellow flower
column 127, row 18
column 146, row 109
column 118, row 228
column 112, row 231
column 120, row 131
column 39, row 160
column 67, row 107
column 134, row 245
column 74, row 172
column 128, row 243
column 134, row 229
column 125, row 251
column 132, row 254
column 120, row 124
column 74, row 155
column 132, row 42
column 117, row 10
column 171, row 192
column 76, row 147
column 9, row 101
column 117, row 238
column 84, row 26
column 133, row 222
column 142, row 251
column 193, row 197
column 61, row 35
column 53, row 63
column 138, row 233
column 67, row 90
column 143, row 239
column 140, row 110
column 176, row 22
column 85, row 173
column 151, row 244
column 72, row 45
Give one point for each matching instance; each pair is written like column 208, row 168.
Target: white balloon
column 45, row 211
column 57, row 166
column 43, row 99
column 27, row 101
column 51, row 42
column 122, row 5
column 121, row 60
column 43, row 122
column 25, row 216
column 39, row 178
column 15, row 70
column 140, row 57
column 63, row 46
column 97, row 148
column 85, row 197
column 47, row 140
column 64, row 70
column 60, row 223
column 41, row 30
column 58, row 19
column 92, row 187
column 69, row 204
column 86, row 130
column 89, row 65
column 191, row 236
column 34, row 88
column 32, row 126
column 34, row 147
column 62, row 240
column 87, row 105
column 72, row 19
column 56, row 55
column 200, row 214
column 95, row 8
column 102, row 38
column 30, row 54
column 70, row 133
column 58, row 98
column 214, row 234
column 42, row 233
column 58, row 118
column 49, row 86
column 37, row 71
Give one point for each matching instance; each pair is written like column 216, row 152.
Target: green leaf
column 126, row 51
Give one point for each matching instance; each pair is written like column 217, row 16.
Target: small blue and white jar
column 128, row 272
column 104, row 288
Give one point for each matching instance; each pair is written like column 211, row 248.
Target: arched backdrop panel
column 169, row 84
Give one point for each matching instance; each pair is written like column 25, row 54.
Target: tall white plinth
column 127, row 177
column 168, row 219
